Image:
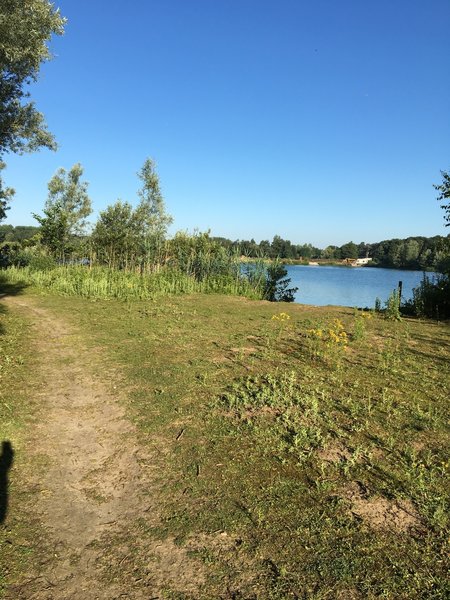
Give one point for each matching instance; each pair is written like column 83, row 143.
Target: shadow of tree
column 8, row 289
column 6, row 461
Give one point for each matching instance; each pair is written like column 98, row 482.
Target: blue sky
column 320, row 121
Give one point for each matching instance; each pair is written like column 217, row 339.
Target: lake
column 349, row 286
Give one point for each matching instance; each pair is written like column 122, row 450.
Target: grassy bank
column 300, row 454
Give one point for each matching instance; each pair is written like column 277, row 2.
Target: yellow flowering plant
column 327, row 340
column 280, row 324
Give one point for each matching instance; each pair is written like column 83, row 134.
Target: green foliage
column 6, row 193
column 418, row 253
column 8, row 253
column 359, row 325
column 9, row 233
column 201, row 257
column 444, row 195
column 392, row 310
column 115, row 236
column 349, row 250
column 279, row 398
column 103, row 283
column 65, row 212
column 54, row 230
column 38, row 262
column 25, row 30
column 276, row 285
column 151, row 217
column 431, row 298
column 278, row 391
column 331, row 252
column 128, row 238
column 24, row 254
column 6, row 232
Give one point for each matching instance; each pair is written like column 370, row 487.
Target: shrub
column 431, row 298
column 392, row 311
column 276, row 285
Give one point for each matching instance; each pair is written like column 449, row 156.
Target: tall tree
column 114, row 237
column 444, row 195
column 26, row 27
column 151, row 215
column 6, row 193
column 66, row 209
column 349, row 250
column 331, row 252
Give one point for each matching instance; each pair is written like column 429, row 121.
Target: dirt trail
column 93, row 484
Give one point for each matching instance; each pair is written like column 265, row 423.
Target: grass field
column 22, row 540
column 301, row 452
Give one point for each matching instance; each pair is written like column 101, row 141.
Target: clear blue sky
column 322, row 121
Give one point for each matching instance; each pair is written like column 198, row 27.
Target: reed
column 104, row 283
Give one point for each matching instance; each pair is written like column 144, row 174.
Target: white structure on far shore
column 360, row 262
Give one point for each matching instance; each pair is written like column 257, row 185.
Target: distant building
column 360, row 262
column 356, row 262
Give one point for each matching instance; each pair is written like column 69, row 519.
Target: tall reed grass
column 104, row 283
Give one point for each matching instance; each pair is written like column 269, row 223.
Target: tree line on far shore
column 417, row 253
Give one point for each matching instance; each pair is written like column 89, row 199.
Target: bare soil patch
column 381, row 513
column 334, row 452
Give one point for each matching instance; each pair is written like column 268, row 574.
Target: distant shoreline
column 324, row 262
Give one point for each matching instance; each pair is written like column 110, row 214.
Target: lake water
column 349, row 286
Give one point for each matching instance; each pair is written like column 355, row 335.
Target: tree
column 444, row 194
column 114, row 237
column 6, row 194
column 24, row 232
column 66, row 209
column 304, row 250
column 151, row 215
column 331, row 252
column 6, row 233
column 264, row 248
column 409, row 253
column 26, row 27
column 276, row 285
column 349, row 250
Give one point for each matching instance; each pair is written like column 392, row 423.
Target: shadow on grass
column 6, row 461
column 8, row 289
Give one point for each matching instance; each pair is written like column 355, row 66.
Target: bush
column 39, row 262
column 276, row 288
column 392, row 311
column 431, row 298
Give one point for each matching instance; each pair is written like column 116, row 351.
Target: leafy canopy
column 6, row 194
column 151, row 211
column 66, row 209
column 26, row 27
column 444, row 195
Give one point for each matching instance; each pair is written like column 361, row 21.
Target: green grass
column 22, row 543
column 291, row 465
column 103, row 283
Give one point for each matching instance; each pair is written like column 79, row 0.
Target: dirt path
column 93, row 484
